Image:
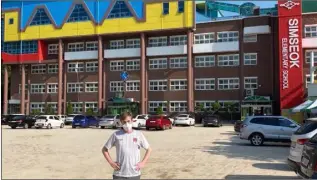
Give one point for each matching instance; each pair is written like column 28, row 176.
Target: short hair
column 125, row 115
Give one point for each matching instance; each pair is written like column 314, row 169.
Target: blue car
column 85, row 121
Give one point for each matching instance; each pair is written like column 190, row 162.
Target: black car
column 211, row 120
column 4, row 119
column 24, row 121
column 308, row 166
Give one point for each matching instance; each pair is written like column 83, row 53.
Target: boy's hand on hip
column 140, row 166
column 115, row 165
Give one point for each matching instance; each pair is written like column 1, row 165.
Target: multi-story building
column 175, row 57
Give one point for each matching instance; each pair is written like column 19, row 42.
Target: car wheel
column 13, row 127
column 256, row 139
column 171, row 126
column 97, row 126
column 62, row 125
column 164, row 127
column 37, row 127
column 102, row 127
column 139, row 126
column 147, row 128
column 73, row 127
column 49, row 126
column 25, row 126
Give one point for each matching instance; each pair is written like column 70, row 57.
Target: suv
column 24, row 121
column 258, row 129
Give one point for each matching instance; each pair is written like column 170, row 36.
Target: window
column 91, row 87
column 178, row 106
column 250, row 58
column 91, row 105
column 204, row 61
column 53, row 49
column 250, row 38
column 250, row 82
column 120, row 10
column 158, row 85
column 52, row 88
column 75, row 87
column 311, row 30
column 228, row 36
column 38, row 106
column 26, row 88
column 228, row 83
column 75, row 67
column 92, row 66
column 180, row 6
column 308, row 53
column 40, row 18
column 53, row 68
column 158, row 63
column 37, row 88
column 178, row 40
column 133, row 65
column 77, row 107
column 158, row 41
column 224, row 105
column 79, row 14
column 204, row 104
column 228, row 60
column 178, row 62
column 153, row 105
column 166, row 7
column 92, row 46
column 25, row 68
column 284, row 122
column 28, row 47
column 133, row 86
column 117, row 44
column 178, row 84
column 204, row 38
column 75, row 47
column 133, row 43
column 38, row 69
column 116, row 86
column 53, row 106
column 205, row 84
column 11, row 21
column 308, row 79
column 306, row 128
column 117, row 65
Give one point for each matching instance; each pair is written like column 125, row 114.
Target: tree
column 230, row 106
column 49, row 110
column 69, row 109
column 159, row 110
column 90, row 112
column 35, row 112
column 200, row 107
column 216, row 106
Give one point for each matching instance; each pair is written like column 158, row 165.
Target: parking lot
column 183, row 152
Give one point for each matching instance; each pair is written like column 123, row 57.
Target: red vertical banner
column 290, row 53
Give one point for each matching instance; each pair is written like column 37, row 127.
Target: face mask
column 127, row 127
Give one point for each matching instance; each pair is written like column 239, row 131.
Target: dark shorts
column 133, row 178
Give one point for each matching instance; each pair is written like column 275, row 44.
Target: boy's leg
column 118, row 177
column 135, row 178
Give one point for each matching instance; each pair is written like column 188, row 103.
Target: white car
column 69, row 118
column 184, row 119
column 48, row 121
column 139, row 121
column 303, row 134
column 108, row 121
column 62, row 117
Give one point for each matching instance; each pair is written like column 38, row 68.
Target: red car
column 158, row 122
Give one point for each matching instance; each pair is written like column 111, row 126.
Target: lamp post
column 124, row 76
column 312, row 68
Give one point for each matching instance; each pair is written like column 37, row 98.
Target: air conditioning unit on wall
column 249, row 92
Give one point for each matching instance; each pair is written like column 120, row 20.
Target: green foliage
column 159, row 110
column 200, row 107
column 230, row 107
column 69, row 108
column 49, row 110
column 35, row 112
column 90, row 112
column 216, row 106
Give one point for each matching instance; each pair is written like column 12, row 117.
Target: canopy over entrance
column 305, row 106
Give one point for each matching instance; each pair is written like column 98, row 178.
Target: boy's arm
column 145, row 145
column 105, row 151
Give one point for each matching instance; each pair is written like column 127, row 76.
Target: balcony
column 81, row 55
column 309, row 42
column 122, row 53
column 166, row 50
column 312, row 90
column 216, row 47
column 265, row 29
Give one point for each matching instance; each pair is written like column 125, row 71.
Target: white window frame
column 248, row 85
column 230, row 86
column 114, row 65
column 250, row 62
column 157, row 63
column 93, row 105
column 52, row 68
column 135, row 66
column 205, row 61
column 80, row 107
column 53, row 106
column 206, row 103
column 92, row 46
column 159, row 84
column 77, row 68
column 40, row 106
column 228, row 38
column 133, row 43
column 310, row 26
column 178, row 40
column 204, row 38
column 38, row 69
column 181, row 87
column 119, row 86
column 75, row 47
column 157, row 41
column 250, row 38
column 307, row 55
column 181, row 109
column 92, row 66
column 157, row 104
column 53, row 89
column 41, row 89
column 228, row 62
column 132, row 85
column 78, row 86
column 307, row 79
column 206, row 87
column 178, row 62
column 91, row 89
column 52, row 49
column 116, row 44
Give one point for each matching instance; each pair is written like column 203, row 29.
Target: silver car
column 258, row 129
column 108, row 121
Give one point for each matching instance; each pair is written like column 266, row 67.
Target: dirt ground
column 180, row 153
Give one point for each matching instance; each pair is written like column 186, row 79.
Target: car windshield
column 108, row 116
column 307, row 128
column 17, row 117
column 79, row 117
column 71, row 115
column 183, row 115
column 41, row 117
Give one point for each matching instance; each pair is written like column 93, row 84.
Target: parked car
column 48, row 121
column 24, row 121
column 302, row 135
column 184, row 119
column 108, row 121
column 258, row 129
column 237, row 125
column 308, row 166
column 6, row 118
column 211, row 120
column 85, row 121
column 62, row 118
column 158, row 122
column 69, row 118
column 139, row 121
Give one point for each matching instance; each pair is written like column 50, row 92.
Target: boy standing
column 128, row 143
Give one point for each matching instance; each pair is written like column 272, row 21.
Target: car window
column 50, row 117
column 56, row 118
column 141, row 117
column 314, row 139
column 79, row 117
column 183, row 115
column 284, row 122
column 41, row 117
column 306, row 128
column 271, row 121
column 109, row 116
column 257, row 121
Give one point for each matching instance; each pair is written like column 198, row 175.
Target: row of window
column 77, row 107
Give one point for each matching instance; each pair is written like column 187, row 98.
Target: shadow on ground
column 272, row 166
column 229, row 177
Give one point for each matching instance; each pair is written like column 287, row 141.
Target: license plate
column 152, row 121
column 293, row 145
column 76, row 123
column 210, row 123
column 305, row 161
